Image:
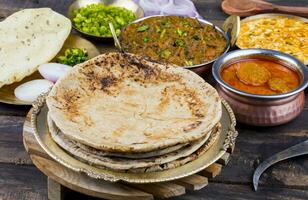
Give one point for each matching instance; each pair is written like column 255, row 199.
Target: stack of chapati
column 124, row 113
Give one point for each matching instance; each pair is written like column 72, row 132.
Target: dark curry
column 182, row 41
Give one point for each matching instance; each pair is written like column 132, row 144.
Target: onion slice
column 169, row 7
column 53, row 71
column 30, row 90
column 180, row 7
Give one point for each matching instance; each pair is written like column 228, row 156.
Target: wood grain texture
column 252, row 7
column 11, row 145
column 193, row 182
column 161, row 190
column 224, row 191
column 22, row 182
column 85, row 184
column 286, row 180
column 212, row 171
column 224, row 160
column 55, row 190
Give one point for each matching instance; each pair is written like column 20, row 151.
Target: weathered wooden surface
column 19, row 179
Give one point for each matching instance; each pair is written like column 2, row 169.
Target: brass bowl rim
column 203, row 21
column 271, row 54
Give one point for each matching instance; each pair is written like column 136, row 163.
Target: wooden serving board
column 59, row 176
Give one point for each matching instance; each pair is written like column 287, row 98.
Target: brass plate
column 273, row 15
column 226, row 140
column 7, row 92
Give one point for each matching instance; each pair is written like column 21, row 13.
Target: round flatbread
column 184, row 160
column 29, row 38
column 130, row 155
column 173, row 164
column 117, row 163
column 123, row 103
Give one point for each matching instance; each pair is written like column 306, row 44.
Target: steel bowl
column 262, row 110
column 128, row 4
column 202, row 68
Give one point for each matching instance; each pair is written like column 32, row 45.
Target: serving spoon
column 115, row 38
column 296, row 150
column 245, row 8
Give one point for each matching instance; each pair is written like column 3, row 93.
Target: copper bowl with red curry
column 263, row 87
column 182, row 41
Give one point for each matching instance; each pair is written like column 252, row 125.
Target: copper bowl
column 262, row 110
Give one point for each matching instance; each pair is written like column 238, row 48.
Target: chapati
column 117, row 163
column 184, row 160
column 29, row 38
column 124, row 103
column 131, row 155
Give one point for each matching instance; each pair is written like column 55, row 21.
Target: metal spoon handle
column 296, row 150
column 115, row 37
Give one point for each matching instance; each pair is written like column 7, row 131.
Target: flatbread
column 131, row 155
column 184, row 160
column 123, row 103
column 29, row 38
column 117, row 163
column 170, row 165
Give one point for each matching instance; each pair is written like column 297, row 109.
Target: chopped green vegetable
column 196, row 37
column 162, row 34
column 94, row 19
column 189, row 62
column 186, row 24
column 143, row 28
column 179, row 43
column 166, row 23
column 165, row 53
column 180, row 32
column 73, row 56
column 158, row 30
column 146, row 39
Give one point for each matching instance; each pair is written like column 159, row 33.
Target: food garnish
column 73, row 56
column 94, row 19
column 257, row 76
column 143, row 28
column 284, row 34
column 182, row 41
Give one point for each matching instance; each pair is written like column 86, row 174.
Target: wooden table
column 19, row 179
